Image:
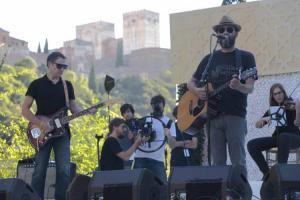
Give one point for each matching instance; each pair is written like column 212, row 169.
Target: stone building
column 80, row 55
column 270, row 30
column 15, row 49
column 140, row 30
column 96, row 33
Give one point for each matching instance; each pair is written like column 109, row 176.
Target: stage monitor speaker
column 16, row 189
column 78, row 189
column 283, row 182
column 25, row 170
column 208, row 182
column 137, row 184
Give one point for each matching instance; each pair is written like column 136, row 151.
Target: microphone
column 220, row 37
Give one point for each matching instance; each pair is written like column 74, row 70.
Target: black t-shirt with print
column 222, row 68
column 289, row 126
column 109, row 159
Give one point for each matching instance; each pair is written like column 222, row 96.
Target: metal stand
column 98, row 137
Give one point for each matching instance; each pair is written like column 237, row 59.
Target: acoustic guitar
column 196, row 112
column 39, row 137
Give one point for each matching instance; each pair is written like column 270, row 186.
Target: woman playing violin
column 284, row 137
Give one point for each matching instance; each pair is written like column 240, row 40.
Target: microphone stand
column 108, row 108
column 204, row 80
column 98, row 137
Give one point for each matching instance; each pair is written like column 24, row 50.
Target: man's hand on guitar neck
column 200, row 92
column 246, row 88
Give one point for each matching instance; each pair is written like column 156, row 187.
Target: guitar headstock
column 112, row 102
column 249, row 73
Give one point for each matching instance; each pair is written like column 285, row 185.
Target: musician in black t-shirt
column 284, row 137
column 112, row 155
column 229, row 127
column 183, row 152
column 49, row 94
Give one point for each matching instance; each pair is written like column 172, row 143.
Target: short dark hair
column 158, row 99
column 115, row 122
column 125, row 107
column 53, row 56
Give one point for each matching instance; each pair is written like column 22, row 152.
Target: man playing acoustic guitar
column 229, row 126
column 49, row 93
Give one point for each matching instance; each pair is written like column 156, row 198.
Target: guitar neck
column 219, row 89
column 67, row 119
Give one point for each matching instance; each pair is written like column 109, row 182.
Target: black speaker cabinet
column 137, row 184
column 25, row 170
column 208, row 182
column 282, row 182
column 78, row 189
column 16, row 189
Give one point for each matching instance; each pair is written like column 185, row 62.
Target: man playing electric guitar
column 51, row 94
column 229, row 127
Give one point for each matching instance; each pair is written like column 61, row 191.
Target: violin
column 289, row 104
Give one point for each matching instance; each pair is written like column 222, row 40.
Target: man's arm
column 125, row 155
column 200, row 92
column 170, row 139
column 26, row 112
column 190, row 144
column 245, row 88
column 74, row 107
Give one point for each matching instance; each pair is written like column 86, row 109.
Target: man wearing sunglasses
column 229, row 127
column 49, row 94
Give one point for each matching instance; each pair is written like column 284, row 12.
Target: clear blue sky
column 34, row 20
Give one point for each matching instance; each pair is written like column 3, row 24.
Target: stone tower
column 140, row 30
column 96, row 33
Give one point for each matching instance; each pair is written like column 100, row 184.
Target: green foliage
column 42, row 69
column 119, row 58
column 46, row 50
column 39, row 49
column 27, row 61
column 92, row 80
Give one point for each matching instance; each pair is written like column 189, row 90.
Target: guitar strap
column 66, row 93
column 238, row 59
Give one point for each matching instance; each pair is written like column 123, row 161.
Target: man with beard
column 229, row 127
column 112, row 155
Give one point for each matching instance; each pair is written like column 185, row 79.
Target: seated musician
column 284, row 137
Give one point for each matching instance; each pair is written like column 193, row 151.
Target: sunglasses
column 61, row 66
column 227, row 29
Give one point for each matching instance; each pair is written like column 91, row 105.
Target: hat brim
column 236, row 26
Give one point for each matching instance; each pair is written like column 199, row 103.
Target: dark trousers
column 157, row 168
column 61, row 147
column 284, row 142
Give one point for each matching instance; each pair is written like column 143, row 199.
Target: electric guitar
column 195, row 112
column 39, row 137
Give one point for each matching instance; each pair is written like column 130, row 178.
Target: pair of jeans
column 284, row 142
column 228, row 130
column 157, row 168
column 61, row 147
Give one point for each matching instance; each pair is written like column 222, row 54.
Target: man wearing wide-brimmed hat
column 229, row 126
